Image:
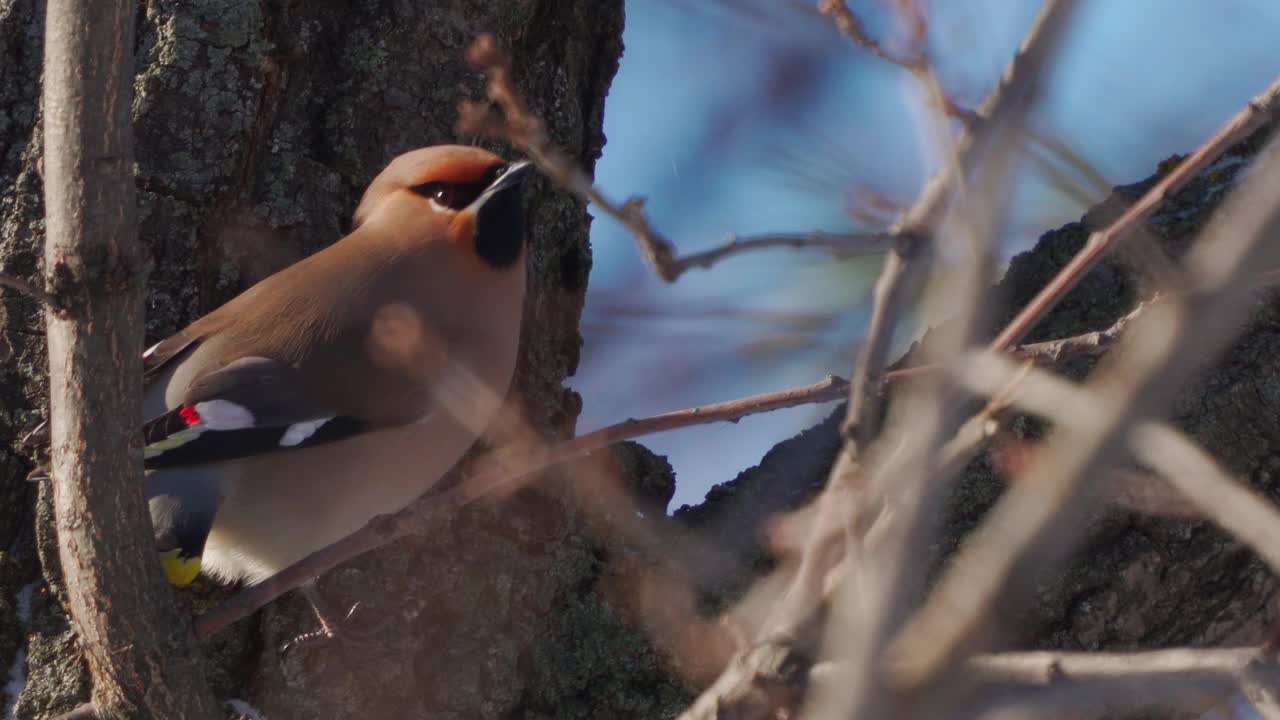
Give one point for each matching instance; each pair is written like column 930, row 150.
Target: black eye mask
column 458, row 195
column 455, row 196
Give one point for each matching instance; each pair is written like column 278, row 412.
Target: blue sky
column 750, row 116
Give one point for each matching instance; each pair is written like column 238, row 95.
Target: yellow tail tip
column 179, row 570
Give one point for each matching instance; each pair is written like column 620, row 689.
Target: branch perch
column 491, row 473
column 1256, row 113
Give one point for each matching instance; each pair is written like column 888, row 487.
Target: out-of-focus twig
column 502, row 468
column 498, row 473
column 516, row 124
column 1175, row 677
column 1080, row 679
column 1252, row 116
column 841, row 245
column 914, row 233
column 917, row 63
column 963, row 209
column 1231, row 504
column 1158, row 354
column 1261, row 685
column 980, row 428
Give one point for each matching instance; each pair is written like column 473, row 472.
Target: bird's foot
column 330, row 629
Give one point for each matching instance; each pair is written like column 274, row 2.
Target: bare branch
column 918, row 64
column 1078, row 679
column 1230, row 503
column 520, row 127
column 1255, row 114
column 884, row 578
column 1172, row 677
column 123, row 610
column 841, row 245
column 492, row 475
column 958, row 610
column 486, row 478
column 914, row 234
column 980, row 428
column 492, row 472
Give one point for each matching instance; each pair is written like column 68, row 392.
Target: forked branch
column 516, row 124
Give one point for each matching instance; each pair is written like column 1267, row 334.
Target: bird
column 345, row 385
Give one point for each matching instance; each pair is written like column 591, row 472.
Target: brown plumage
column 345, row 385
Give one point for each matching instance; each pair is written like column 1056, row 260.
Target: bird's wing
column 250, row 406
column 157, row 357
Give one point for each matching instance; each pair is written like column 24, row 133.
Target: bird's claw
column 340, row 630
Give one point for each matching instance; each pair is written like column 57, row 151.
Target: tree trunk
column 130, row 630
column 257, row 127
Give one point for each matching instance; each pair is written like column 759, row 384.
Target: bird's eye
column 454, row 196
column 443, row 194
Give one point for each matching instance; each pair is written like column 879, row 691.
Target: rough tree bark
column 130, row 630
column 258, row 125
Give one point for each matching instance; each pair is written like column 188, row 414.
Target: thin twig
column 1157, row 355
column 519, row 126
column 860, row 425
column 917, row 64
column 841, row 245
column 914, row 234
column 1231, row 504
column 885, row 577
column 980, row 428
column 497, row 473
column 1174, row 677
column 1156, row 677
column 491, row 473
column 1253, row 115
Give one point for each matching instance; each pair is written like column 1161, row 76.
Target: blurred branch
column 519, row 126
column 918, row 64
column 1252, row 116
column 1261, row 685
column 914, row 234
column 1093, row 343
column 980, row 428
column 841, row 245
column 1168, row 678
column 494, row 472
column 1234, row 506
column 498, row 469
column 963, row 206
column 1161, row 351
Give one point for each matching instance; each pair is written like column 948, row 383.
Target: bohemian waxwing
column 344, row 386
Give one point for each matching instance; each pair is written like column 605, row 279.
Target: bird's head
column 469, row 191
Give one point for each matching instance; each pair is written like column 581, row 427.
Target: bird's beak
column 510, row 178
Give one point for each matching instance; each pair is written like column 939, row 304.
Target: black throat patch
column 500, row 228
